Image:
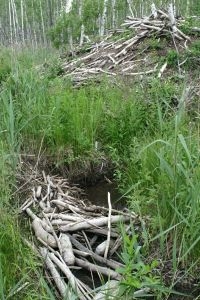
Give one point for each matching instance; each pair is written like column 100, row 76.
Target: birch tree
column 113, row 14
column 130, row 7
column 103, row 18
column 22, row 20
column 10, row 21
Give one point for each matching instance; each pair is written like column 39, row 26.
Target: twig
column 109, row 226
column 98, row 222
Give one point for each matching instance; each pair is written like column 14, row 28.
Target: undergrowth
column 144, row 127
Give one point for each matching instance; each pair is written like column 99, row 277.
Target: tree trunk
column 103, row 18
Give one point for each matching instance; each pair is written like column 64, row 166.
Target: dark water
column 98, row 195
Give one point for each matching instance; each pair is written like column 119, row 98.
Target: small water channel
column 98, row 194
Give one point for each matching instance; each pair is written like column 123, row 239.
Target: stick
column 98, row 222
column 43, row 234
column 162, row 69
column 71, row 278
column 112, row 264
column 95, row 268
column 62, row 287
column 109, row 227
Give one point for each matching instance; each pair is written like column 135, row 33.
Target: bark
column 103, row 18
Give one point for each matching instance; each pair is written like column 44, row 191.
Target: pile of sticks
column 120, row 57
column 72, row 234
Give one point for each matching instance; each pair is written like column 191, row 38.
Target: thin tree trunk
column 34, row 39
column 113, row 14
column 130, row 7
column 42, row 21
column 15, row 21
column 103, row 18
column 68, row 6
column 82, row 35
column 10, row 21
column 22, row 20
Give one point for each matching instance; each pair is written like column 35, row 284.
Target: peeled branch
column 67, row 250
column 43, row 234
column 96, row 222
column 100, row 249
column 61, row 285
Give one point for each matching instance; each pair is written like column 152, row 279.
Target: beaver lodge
column 121, row 54
column 73, row 235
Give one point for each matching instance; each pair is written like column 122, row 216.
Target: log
column 43, row 234
column 66, row 249
column 97, row 222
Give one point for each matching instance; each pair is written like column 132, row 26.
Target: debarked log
column 43, row 234
column 67, row 250
column 97, row 222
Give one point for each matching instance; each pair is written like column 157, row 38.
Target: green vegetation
column 138, row 275
column 19, row 268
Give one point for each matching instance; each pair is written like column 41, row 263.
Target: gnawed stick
column 162, row 69
column 109, row 227
column 60, row 284
column 93, row 208
column 95, row 268
column 53, row 232
column 81, row 253
column 110, row 288
column 97, row 222
column 100, row 249
column 71, row 278
column 26, row 204
column 66, row 249
column 43, row 234
column 40, row 229
column 110, row 263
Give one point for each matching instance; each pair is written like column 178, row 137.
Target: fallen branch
column 60, row 284
column 98, row 222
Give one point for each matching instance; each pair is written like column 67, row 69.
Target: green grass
column 164, row 174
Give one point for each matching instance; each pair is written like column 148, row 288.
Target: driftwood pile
column 120, row 57
column 74, row 235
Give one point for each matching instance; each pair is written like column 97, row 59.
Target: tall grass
column 18, row 266
column 164, row 173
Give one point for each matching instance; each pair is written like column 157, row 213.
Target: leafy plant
column 188, row 25
column 172, row 58
column 139, row 278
